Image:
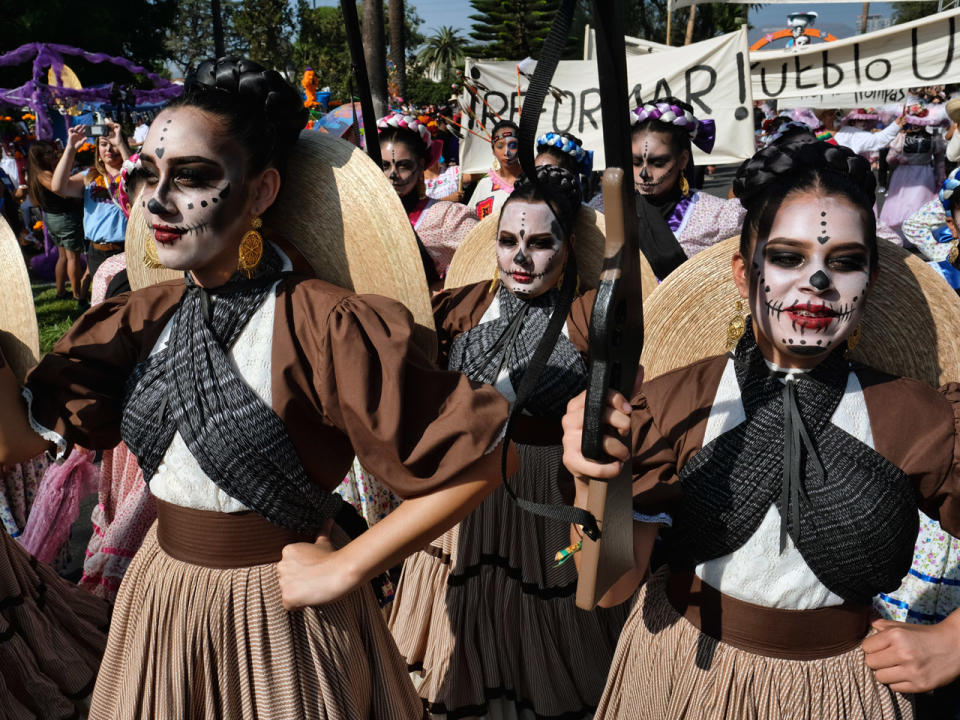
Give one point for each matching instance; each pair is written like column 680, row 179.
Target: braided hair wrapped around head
column 568, row 151
column 260, row 109
column 785, row 168
column 556, row 186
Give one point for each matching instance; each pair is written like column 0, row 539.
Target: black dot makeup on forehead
column 215, row 199
column 169, row 121
column 189, row 206
column 203, row 203
column 823, row 237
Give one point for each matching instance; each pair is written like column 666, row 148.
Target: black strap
column 553, row 48
column 352, row 26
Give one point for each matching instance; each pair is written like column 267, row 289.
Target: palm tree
column 443, row 53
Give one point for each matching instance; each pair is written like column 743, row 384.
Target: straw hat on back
column 337, row 209
column 910, row 327
column 19, row 334
column 476, row 258
column 953, row 109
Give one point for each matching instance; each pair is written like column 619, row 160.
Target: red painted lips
column 810, row 316
column 167, row 235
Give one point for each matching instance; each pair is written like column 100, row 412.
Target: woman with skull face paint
column 792, row 485
column 245, row 391
column 493, row 190
column 407, row 149
column 488, row 594
column 662, row 136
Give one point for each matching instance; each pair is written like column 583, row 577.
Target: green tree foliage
column 443, row 53
column 422, row 91
column 264, row 27
column 133, row 29
column 648, row 19
column 907, row 11
column 322, row 45
column 189, row 40
column 510, row 29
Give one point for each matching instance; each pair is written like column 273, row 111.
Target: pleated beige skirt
column 488, row 622
column 665, row 667
column 52, row 635
column 189, row 641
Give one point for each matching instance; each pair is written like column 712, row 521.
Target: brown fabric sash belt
column 221, row 540
column 106, row 247
column 772, row 632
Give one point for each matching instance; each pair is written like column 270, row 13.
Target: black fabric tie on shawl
column 193, row 386
column 850, row 512
column 509, row 342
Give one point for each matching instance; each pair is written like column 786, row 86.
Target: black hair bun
column 556, row 182
column 780, row 161
column 256, row 90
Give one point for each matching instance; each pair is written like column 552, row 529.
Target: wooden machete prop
column 616, row 328
column 616, row 325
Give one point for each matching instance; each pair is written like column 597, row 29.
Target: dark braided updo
column 261, row 110
column 556, row 186
column 787, row 168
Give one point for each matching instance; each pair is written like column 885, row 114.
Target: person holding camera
column 104, row 222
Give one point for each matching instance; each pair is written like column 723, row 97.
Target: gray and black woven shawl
column 483, row 352
column 850, row 511
column 193, row 386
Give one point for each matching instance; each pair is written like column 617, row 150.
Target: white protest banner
column 711, row 75
column 921, row 52
column 674, row 4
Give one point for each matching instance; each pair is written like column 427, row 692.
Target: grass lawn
column 54, row 316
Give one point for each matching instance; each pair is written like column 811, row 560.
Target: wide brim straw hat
column 476, row 258
column 952, row 109
column 19, row 334
column 342, row 215
column 910, row 327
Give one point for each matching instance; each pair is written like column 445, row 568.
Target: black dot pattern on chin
column 189, row 206
column 203, row 203
column 215, row 199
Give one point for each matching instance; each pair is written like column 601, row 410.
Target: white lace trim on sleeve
column 45, row 433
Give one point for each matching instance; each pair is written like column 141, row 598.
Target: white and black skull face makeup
column 656, row 168
column 809, row 279
column 193, row 199
column 403, row 167
column 531, row 248
column 506, row 146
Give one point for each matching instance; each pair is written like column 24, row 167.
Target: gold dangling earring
column 853, row 340
column 151, row 259
column 684, row 186
column 496, row 278
column 737, row 325
column 496, row 165
column 251, row 249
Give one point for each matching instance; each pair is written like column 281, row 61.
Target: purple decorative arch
column 38, row 95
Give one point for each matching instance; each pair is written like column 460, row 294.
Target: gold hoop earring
column 151, row 259
column 684, row 186
column 854, row 339
column 251, row 249
column 737, row 325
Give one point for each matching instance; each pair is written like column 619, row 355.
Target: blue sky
column 840, row 19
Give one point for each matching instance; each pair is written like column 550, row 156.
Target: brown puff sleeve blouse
column 913, row 425
column 346, row 379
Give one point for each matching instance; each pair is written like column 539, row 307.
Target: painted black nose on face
column 644, row 175
column 820, row 280
column 155, row 207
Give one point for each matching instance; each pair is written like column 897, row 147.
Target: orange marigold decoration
column 38, row 226
column 310, row 85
